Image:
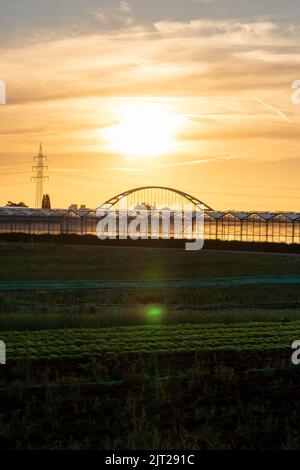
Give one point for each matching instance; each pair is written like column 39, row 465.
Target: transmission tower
column 39, row 177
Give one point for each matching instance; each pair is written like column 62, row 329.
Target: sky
column 191, row 94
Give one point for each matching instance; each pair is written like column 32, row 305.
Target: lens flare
column 154, row 311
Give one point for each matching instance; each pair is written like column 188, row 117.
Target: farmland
column 196, row 366
column 87, row 343
column 62, row 262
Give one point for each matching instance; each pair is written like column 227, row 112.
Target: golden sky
column 196, row 97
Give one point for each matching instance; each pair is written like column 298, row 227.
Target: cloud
column 233, row 31
column 202, row 1
column 120, row 16
column 139, row 62
column 204, row 69
column 126, row 6
column 126, row 169
column 182, row 163
column 290, row 57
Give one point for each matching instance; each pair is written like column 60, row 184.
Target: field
column 160, row 359
column 99, row 343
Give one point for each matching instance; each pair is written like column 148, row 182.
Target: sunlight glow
column 143, row 130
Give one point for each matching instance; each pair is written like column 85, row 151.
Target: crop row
column 77, row 343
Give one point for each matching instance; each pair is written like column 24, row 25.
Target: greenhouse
column 283, row 227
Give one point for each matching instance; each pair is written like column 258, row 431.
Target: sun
column 143, row 130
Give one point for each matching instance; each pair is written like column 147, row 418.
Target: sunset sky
column 191, row 94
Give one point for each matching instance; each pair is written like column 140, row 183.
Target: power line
column 15, row 173
column 15, row 184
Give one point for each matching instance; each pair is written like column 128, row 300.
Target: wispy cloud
column 147, row 167
column 121, row 15
column 205, row 70
column 126, row 169
column 232, row 31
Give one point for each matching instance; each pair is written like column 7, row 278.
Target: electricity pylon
column 39, row 177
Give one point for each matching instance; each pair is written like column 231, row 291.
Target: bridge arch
column 160, row 196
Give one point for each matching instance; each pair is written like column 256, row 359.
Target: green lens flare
column 154, row 312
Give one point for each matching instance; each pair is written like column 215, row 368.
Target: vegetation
column 112, row 317
column 160, row 368
column 78, row 343
column 92, row 240
column 46, row 203
column 16, row 204
column 220, row 400
column 59, row 262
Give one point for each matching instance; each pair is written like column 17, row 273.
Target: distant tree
column 15, row 204
column 46, row 203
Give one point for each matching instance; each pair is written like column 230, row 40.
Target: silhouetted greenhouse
column 241, row 226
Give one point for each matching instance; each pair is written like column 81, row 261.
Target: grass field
column 59, row 262
column 183, row 367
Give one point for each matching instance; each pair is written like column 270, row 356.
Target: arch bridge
column 159, row 197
